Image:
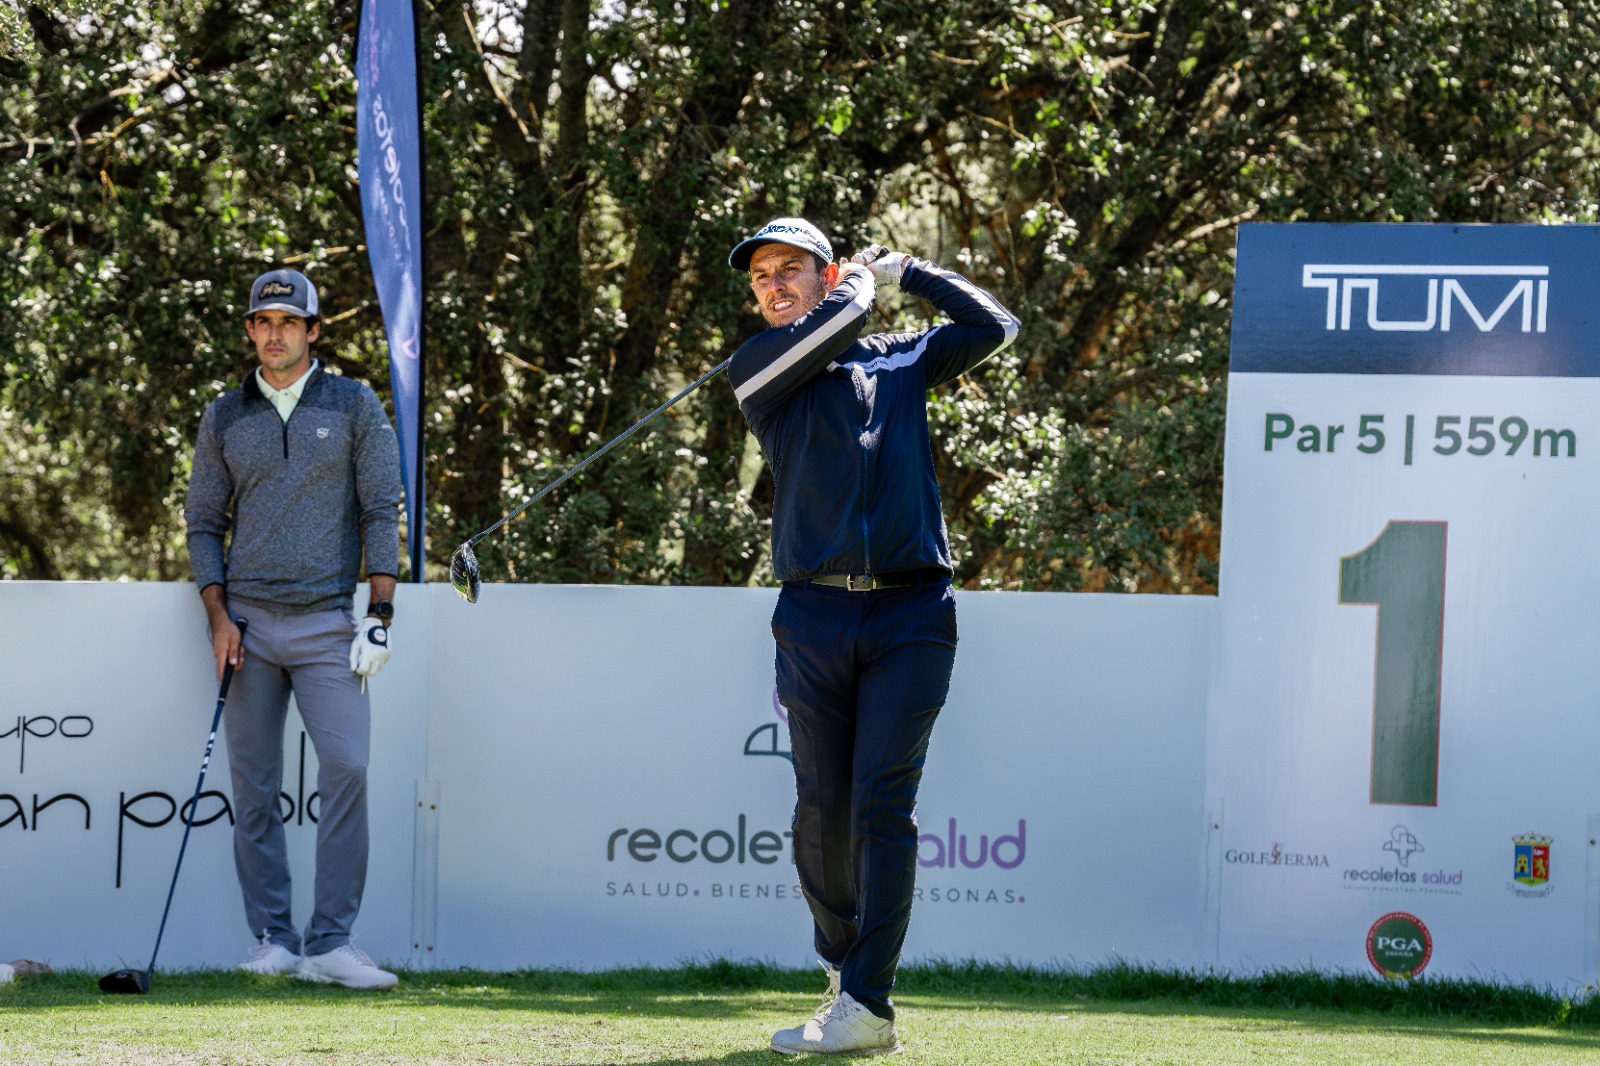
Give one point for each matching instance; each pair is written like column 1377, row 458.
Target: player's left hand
column 886, row 266
column 370, row 650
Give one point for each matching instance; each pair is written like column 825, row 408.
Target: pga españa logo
column 1399, row 946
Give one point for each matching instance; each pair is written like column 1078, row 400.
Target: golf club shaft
column 606, row 447
column 188, row 823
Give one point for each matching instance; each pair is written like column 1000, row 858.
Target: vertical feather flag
column 389, row 151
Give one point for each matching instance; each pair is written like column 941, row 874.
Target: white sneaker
column 842, row 1027
column 348, row 966
column 268, row 957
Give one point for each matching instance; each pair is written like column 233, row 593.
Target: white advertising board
column 108, row 699
column 628, row 799
column 1406, row 713
column 608, row 772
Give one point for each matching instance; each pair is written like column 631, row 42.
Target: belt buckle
column 850, row 583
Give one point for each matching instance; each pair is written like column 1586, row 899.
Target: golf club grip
column 227, row 669
column 606, row 447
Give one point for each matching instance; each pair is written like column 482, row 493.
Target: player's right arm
column 227, row 643
column 772, row 365
column 205, row 515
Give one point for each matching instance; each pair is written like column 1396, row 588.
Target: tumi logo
column 1456, row 296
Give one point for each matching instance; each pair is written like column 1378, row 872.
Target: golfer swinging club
column 866, row 622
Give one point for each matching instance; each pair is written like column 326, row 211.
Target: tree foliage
column 589, row 166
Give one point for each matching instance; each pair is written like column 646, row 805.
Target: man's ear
column 314, row 332
column 830, row 276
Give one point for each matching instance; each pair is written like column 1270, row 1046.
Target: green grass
column 952, row 1014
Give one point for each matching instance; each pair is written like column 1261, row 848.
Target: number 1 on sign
column 1402, row 574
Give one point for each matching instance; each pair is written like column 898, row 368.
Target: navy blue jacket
column 843, row 421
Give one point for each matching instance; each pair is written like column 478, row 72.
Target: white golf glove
column 885, row 265
column 370, row 650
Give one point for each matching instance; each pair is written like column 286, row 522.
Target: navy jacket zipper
column 866, row 478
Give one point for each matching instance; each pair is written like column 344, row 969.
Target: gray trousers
column 308, row 654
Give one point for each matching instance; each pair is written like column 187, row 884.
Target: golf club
column 464, row 573
column 138, row 981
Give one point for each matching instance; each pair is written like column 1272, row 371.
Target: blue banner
column 389, row 150
column 1417, row 299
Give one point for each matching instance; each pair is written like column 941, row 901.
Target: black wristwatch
column 381, row 609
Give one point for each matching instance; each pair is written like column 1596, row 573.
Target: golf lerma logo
column 1447, row 292
column 1276, row 857
column 1399, row 946
column 277, row 288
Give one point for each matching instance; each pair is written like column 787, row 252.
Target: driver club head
column 465, row 577
column 128, row 982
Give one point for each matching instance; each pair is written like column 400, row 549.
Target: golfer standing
column 866, row 621
column 302, row 467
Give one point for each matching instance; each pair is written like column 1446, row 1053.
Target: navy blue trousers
column 863, row 676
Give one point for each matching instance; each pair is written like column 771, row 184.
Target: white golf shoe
column 348, row 966
column 841, row 1027
column 268, row 958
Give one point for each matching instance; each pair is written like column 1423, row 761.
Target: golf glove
column 885, row 265
column 370, row 650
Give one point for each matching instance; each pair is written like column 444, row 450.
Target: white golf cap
column 793, row 231
column 284, row 290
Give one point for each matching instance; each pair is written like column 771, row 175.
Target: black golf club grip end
column 127, row 982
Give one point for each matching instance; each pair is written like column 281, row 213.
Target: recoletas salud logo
column 769, row 739
column 1448, row 297
column 1408, row 874
column 741, row 839
column 1404, row 844
column 950, row 850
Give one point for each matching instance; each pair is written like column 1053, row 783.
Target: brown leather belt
column 867, row 582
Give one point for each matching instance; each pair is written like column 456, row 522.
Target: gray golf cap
column 284, row 290
column 793, row 231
